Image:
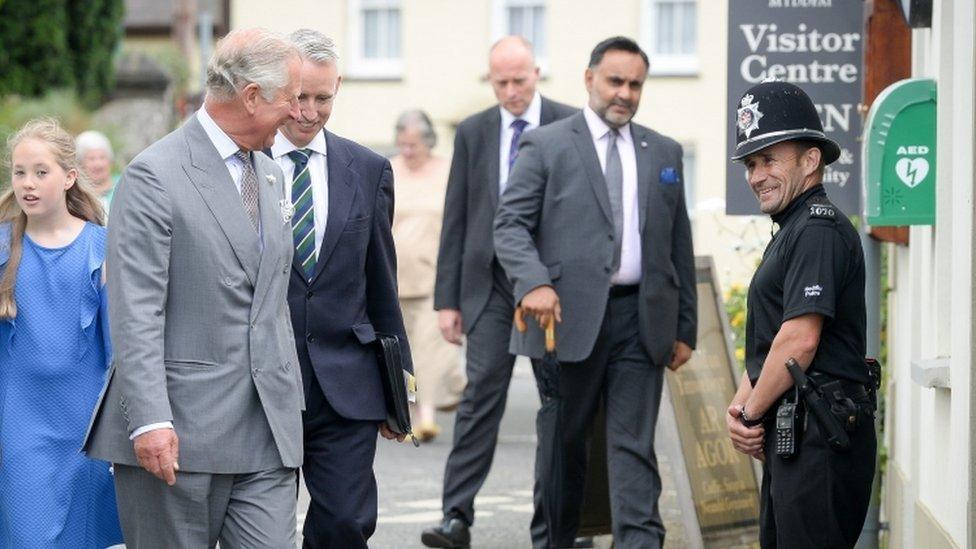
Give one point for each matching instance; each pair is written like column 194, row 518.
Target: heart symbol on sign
column 912, row 171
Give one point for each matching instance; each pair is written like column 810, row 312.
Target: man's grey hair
column 418, row 119
column 92, row 141
column 314, row 46
column 249, row 56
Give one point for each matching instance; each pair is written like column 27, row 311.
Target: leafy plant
column 735, row 309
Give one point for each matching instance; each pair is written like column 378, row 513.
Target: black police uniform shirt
column 813, row 264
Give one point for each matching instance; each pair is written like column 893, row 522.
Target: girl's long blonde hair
column 81, row 202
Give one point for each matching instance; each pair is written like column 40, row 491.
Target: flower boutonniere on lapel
column 287, row 209
column 271, row 179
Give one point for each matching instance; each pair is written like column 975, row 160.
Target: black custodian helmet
column 772, row 112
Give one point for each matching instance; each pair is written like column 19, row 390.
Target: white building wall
column 931, row 307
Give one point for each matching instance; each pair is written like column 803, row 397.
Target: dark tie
column 614, row 174
column 303, row 218
column 249, row 188
column 518, row 126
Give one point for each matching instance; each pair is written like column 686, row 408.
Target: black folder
column 389, row 354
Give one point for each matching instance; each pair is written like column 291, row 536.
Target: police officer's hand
column 748, row 440
column 543, row 304
column 680, row 355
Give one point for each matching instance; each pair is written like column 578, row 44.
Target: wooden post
column 887, row 59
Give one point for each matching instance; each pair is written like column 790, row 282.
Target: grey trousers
column 489, row 369
column 618, row 372
column 240, row 511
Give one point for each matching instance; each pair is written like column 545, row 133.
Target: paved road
column 410, row 478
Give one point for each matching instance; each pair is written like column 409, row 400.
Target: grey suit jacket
column 198, row 314
column 554, row 226
column 464, row 262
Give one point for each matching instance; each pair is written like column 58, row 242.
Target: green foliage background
column 53, row 44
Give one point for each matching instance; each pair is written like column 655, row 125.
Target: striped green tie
column 303, row 218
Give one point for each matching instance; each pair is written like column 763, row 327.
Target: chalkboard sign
column 722, row 481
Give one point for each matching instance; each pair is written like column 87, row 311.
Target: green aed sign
column 899, row 155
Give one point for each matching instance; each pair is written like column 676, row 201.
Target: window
column 375, row 39
column 688, row 161
column 525, row 18
column 669, row 35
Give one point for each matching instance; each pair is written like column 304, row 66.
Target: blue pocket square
column 669, row 176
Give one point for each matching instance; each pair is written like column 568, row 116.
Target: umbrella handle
column 551, row 335
column 520, row 320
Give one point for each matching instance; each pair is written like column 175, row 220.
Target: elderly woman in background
column 95, row 156
column 420, row 183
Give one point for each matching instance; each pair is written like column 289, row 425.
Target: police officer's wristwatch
column 748, row 421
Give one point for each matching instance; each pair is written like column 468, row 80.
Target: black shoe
column 451, row 534
column 583, row 542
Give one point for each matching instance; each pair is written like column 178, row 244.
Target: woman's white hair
column 92, row 141
column 249, row 56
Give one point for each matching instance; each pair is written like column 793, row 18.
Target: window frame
column 359, row 66
column 499, row 25
column 668, row 64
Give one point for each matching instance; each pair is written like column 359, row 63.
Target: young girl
column 53, row 349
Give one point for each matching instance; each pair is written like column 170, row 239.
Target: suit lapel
column 546, row 114
column 209, row 175
column 492, row 137
column 649, row 152
column 583, row 140
column 271, row 227
column 342, row 191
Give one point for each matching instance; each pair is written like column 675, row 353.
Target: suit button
column 610, row 236
column 309, row 295
column 309, row 338
column 255, row 372
column 606, row 269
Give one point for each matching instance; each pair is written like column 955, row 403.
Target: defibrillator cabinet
column 899, row 153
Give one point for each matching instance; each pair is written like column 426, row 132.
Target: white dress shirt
column 317, row 171
column 532, row 115
column 630, row 247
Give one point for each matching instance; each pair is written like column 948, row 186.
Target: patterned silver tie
column 249, row 188
column 614, row 174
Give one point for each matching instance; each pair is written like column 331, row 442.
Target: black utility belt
column 839, row 406
column 858, row 392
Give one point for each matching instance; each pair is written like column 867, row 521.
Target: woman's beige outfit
column 419, row 205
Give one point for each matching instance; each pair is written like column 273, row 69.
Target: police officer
column 806, row 302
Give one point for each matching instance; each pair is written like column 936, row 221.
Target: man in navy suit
column 342, row 291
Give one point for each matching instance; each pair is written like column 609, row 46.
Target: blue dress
column 53, row 359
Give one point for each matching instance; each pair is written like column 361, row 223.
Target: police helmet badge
column 748, row 116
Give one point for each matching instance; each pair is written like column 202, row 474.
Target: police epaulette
column 822, row 211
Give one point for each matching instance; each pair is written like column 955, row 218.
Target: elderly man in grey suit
column 472, row 294
column 593, row 231
column 202, row 413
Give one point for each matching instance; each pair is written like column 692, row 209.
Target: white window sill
column 375, row 70
column 931, row 373
column 663, row 65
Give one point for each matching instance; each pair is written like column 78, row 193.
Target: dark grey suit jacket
column 554, row 226
column 464, row 263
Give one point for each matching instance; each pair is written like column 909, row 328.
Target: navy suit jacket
column 353, row 293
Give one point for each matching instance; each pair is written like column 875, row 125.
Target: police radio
column 786, row 415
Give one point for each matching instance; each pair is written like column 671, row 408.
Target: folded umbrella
column 548, row 426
